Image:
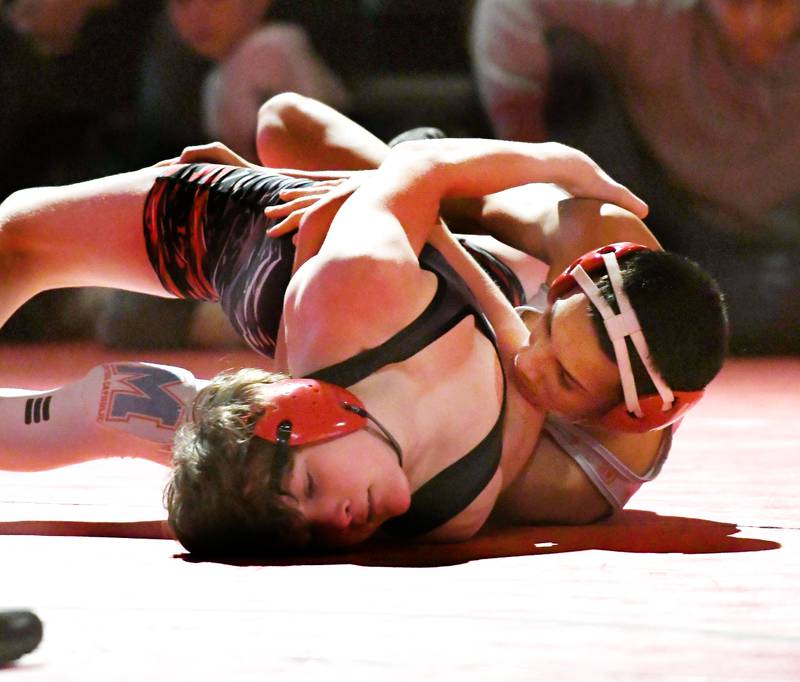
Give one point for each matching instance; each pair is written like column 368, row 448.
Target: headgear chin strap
column 304, row 411
column 637, row 415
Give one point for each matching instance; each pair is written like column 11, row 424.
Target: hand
column 583, row 178
column 310, row 210
column 213, row 152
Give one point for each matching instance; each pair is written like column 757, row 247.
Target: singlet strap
column 448, row 307
column 428, row 327
column 502, row 275
column 614, row 480
column 454, row 488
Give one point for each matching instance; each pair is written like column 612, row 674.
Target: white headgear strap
column 619, row 327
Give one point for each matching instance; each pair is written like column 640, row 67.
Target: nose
column 340, row 515
column 530, row 361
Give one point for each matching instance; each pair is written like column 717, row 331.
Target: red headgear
column 303, row 411
column 636, row 414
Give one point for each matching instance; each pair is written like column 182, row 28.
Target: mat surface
column 696, row 580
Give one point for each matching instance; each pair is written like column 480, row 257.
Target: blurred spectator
column 67, row 97
column 239, row 57
column 694, row 104
column 68, row 81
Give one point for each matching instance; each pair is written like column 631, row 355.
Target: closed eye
column 565, row 379
column 310, row 485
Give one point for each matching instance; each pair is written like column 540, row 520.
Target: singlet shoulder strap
column 613, row 479
column 452, row 490
column 451, row 303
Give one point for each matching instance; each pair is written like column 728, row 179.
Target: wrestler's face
column 345, row 488
column 562, row 368
column 213, row 28
column 757, row 30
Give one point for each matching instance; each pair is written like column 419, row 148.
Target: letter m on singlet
column 145, row 392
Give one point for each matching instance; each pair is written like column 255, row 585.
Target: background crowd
column 694, row 104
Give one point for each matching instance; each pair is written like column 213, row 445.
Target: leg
column 87, row 234
column 129, row 409
column 300, row 132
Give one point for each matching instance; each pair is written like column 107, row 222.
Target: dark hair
column 223, row 496
column 682, row 314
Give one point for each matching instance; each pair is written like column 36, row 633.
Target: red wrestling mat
column 696, row 581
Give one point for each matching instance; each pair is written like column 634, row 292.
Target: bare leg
column 86, row 234
column 300, row 132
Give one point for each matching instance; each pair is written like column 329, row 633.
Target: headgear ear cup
column 655, row 411
column 619, row 419
column 314, row 408
column 304, row 411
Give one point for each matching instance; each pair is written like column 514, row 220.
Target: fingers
column 315, row 190
column 621, row 195
column 213, row 152
column 314, row 175
column 167, row 162
column 282, row 227
column 283, row 210
column 634, row 204
column 199, row 152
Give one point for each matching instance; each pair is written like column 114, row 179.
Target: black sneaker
column 424, row 133
column 20, row 633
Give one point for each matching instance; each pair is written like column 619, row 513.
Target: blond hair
column 224, row 494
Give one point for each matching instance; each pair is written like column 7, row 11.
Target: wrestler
column 454, row 369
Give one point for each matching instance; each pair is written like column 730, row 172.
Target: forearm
column 514, row 172
column 478, row 167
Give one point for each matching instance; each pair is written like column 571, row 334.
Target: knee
column 18, row 261
column 283, row 107
column 15, row 232
column 280, row 119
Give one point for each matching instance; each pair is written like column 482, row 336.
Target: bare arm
column 548, row 223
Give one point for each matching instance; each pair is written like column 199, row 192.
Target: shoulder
column 550, row 488
column 553, row 488
column 337, row 307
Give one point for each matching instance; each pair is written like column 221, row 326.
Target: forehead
column 577, row 346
